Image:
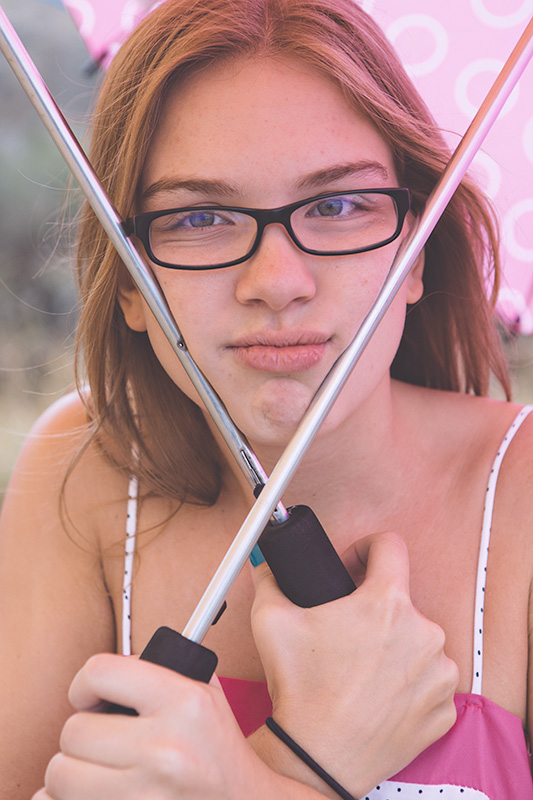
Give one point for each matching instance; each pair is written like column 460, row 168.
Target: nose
column 278, row 273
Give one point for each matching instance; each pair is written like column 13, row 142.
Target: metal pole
column 256, row 520
column 56, row 125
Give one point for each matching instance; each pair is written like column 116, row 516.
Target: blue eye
column 331, row 207
column 203, row 219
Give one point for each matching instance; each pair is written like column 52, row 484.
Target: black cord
column 306, row 758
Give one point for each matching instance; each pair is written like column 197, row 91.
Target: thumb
column 354, row 563
column 262, row 578
column 266, row 587
column 381, row 558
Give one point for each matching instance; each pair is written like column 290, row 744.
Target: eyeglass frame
column 139, row 225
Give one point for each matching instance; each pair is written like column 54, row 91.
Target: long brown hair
column 450, row 339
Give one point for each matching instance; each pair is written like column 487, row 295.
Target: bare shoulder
column 471, row 424
column 495, row 430
column 507, row 429
column 515, row 481
column 501, row 440
column 61, row 470
column 54, row 438
column 466, row 433
column 60, row 493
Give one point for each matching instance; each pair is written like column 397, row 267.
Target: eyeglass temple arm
column 67, row 144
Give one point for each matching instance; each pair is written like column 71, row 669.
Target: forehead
column 260, row 125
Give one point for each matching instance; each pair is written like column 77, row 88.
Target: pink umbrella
column 453, row 50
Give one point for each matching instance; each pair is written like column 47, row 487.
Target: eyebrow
column 329, row 175
column 313, row 180
column 190, row 185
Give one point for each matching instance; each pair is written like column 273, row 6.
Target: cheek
column 374, row 364
column 196, row 306
column 195, row 299
column 168, row 359
column 383, row 345
column 361, row 283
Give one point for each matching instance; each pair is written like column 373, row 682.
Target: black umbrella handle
column 172, row 650
column 305, row 564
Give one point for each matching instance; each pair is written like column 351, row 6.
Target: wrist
column 281, row 759
column 308, row 760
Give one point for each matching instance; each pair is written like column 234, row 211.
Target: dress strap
column 484, row 549
column 129, row 552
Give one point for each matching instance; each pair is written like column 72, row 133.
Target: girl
column 208, row 113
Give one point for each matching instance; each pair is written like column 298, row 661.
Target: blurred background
column 37, row 294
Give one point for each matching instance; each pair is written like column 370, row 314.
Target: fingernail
column 256, row 556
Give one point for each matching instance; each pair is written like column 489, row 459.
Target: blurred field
column 37, row 298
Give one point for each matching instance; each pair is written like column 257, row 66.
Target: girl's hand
column 361, row 683
column 185, row 742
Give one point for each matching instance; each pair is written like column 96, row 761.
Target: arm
column 54, row 611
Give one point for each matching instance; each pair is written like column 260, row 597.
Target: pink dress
column 484, row 755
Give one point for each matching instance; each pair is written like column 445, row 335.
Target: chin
column 270, row 415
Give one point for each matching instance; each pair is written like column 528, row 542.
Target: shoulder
column 465, row 433
column 515, row 482
column 62, row 473
column 466, row 423
column 505, row 437
column 59, row 431
column 494, row 429
column 52, row 442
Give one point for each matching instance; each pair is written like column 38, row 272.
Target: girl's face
column 263, row 133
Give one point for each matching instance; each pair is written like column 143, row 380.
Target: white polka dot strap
column 477, row 675
column 131, row 532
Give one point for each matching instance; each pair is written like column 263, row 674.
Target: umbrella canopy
column 453, row 50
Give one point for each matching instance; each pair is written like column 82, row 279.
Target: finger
column 71, row 779
column 128, row 682
column 106, row 739
column 386, row 558
column 42, row 794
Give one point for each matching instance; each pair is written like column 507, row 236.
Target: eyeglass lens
column 197, row 237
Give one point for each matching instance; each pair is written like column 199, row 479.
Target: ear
column 132, row 305
column 415, row 284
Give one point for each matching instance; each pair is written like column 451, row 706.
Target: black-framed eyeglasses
column 213, row 236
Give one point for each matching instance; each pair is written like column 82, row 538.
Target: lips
column 281, row 352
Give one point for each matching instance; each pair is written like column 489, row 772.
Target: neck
column 358, row 463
